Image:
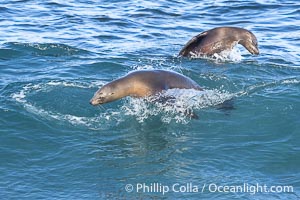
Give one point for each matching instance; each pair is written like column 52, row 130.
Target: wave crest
column 174, row 105
column 46, row 49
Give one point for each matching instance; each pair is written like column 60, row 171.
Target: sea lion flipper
column 192, row 44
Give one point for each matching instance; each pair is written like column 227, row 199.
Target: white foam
column 22, row 94
column 68, row 84
column 97, row 83
column 143, row 67
column 49, row 46
column 291, row 81
column 19, row 97
column 176, row 108
column 233, row 55
column 26, row 90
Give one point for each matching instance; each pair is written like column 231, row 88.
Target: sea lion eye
column 112, row 93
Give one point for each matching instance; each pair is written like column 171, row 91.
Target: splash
column 143, row 67
column 233, row 55
column 174, row 105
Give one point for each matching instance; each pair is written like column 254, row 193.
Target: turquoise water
column 55, row 145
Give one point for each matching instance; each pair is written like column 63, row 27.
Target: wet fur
column 219, row 39
column 142, row 83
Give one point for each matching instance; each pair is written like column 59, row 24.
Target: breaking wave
column 171, row 106
column 51, row 100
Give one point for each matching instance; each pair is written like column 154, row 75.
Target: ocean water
column 54, row 145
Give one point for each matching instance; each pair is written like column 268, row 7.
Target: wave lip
column 46, row 49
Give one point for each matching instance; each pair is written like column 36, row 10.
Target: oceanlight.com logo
column 252, row 189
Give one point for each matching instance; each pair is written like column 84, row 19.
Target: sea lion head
column 105, row 94
column 249, row 41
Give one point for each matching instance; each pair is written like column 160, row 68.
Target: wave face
column 242, row 128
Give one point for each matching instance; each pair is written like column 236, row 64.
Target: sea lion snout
column 251, row 45
column 92, row 102
column 105, row 94
column 96, row 101
column 252, row 48
column 249, row 41
column 98, row 98
column 255, row 51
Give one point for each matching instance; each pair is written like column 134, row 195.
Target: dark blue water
column 55, row 145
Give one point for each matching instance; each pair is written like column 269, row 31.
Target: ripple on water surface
column 56, row 54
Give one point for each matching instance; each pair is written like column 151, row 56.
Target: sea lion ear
column 112, row 93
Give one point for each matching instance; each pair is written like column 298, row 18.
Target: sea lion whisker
column 102, row 107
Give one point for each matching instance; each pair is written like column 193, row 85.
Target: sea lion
column 142, row 83
column 219, row 39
